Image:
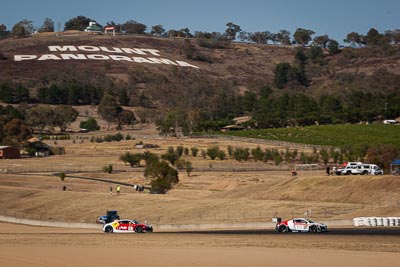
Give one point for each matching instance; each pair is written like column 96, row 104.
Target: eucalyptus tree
column 303, row 36
column 232, row 30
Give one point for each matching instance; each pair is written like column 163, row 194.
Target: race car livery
column 127, row 226
column 300, row 225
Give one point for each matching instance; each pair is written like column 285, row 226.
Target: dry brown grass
column 216, row 191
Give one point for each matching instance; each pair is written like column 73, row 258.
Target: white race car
column 127, row 226
column 300, row 225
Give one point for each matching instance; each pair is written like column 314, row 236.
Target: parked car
column 365, row 169
column 348, row 168
column 127, row 226
column 111, row 216
column 300, row 225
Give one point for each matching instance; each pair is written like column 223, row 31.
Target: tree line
column 196, row 111
column 268, row 111
column 233, row 32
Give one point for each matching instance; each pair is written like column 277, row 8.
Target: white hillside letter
column 24, row 57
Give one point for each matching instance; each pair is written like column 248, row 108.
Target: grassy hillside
column 213, row 193
column 331, row 135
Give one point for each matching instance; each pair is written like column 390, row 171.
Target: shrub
column 212, row 152
column 132, row 159
column 90, row 125
column 221, row 155
column 194, row 151
column 241, row 154
column 108, row 168
column 171, row 156
column 189, row 167
column 179, row 150
column 186, row 151
column 118, row 137
column 257, row 153
column 62, row 176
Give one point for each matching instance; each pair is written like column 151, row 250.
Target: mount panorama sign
column 88, row 52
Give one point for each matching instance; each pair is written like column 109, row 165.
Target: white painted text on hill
column 135, row 55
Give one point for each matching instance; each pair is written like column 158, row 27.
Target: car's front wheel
column 108, row 229
column 139, row 229
column 313, row 228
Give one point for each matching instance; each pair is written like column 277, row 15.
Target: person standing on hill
column 118, row 188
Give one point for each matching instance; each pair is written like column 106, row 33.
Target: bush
column 62, row 176
column 186, row 151
column 179, row 150
column 221, row 155
column 257, row 153
column 194, row 151
column 171, row 156
column 108, row 168
column 189, row 167
column 212, row 152
column 132, row 159
column 90, row 125
column 241, row 154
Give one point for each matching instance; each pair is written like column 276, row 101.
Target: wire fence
column 262, row 141
column 245, row 215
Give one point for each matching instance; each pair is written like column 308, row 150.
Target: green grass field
column 331, row 135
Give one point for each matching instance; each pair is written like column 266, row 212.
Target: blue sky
column 335, row 18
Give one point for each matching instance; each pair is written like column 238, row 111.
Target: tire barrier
column 377, row 221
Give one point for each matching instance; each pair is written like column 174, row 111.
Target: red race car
column 127, row 226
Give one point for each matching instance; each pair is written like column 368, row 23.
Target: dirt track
column 22, row 245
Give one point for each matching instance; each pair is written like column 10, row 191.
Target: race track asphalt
column 351, row 231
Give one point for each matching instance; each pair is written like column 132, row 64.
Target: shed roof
column 396, row 162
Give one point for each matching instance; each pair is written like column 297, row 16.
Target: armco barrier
column 168, row 227
column 376, row 221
